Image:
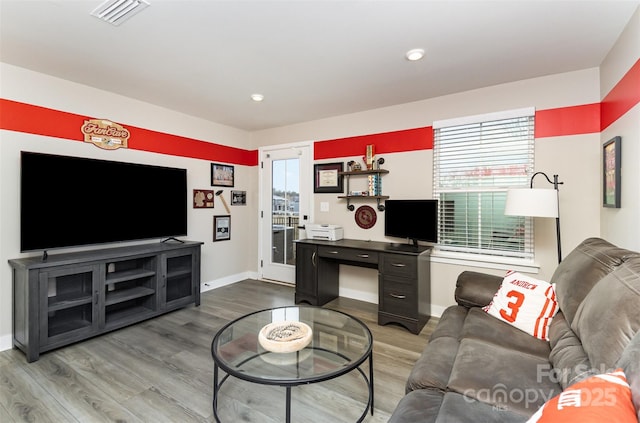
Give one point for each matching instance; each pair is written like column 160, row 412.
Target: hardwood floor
column 161, row 370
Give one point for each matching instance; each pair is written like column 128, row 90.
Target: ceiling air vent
column 117, row 11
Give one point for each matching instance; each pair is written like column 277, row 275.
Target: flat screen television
column 72, row 201
column 415, row 220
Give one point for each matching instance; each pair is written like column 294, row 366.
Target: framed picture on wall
column 327, row 177
column 611, row 177
column 221, row 228
column 238, row 198
column 222, row 175
column 203, row 198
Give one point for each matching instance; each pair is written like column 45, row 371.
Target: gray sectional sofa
column 477, row 368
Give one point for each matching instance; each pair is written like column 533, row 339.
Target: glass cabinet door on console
column 69, row 302
column 177, row 286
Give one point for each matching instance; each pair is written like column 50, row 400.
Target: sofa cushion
column 421, row 406
column 600, row 398
column 479, row 325
column 434, row 365
column 630, row 363
column 588, row 263
column 609, row 316
column 501, row 377
column 525, row 302
column 569, row 362
column 450, row 323
column 457, row 408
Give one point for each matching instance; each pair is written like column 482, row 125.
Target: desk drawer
column 399, row 297
column 348, row 254
column 399, row 265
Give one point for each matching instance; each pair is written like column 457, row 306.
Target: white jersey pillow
column 527, row 303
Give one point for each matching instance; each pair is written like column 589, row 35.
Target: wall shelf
column 372, row 172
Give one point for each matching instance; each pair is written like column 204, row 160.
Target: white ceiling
column 311, row 59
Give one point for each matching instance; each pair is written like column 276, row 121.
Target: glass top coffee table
column 337, row 344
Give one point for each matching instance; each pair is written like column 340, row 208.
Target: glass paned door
column 284, row 209
column 285, row 215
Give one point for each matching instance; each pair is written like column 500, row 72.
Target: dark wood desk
column 404, row 281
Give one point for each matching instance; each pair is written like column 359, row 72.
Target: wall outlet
column 324, row 206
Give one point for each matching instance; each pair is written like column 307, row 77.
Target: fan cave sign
column 105, row 134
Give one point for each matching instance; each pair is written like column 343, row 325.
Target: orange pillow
column 598, row 399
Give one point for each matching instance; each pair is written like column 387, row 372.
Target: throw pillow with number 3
column 527, row 303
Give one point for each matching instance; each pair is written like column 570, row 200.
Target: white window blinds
column 476, row 160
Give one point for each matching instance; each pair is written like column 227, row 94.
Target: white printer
column 324, row 231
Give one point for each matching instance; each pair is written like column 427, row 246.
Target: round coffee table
column 339, row 344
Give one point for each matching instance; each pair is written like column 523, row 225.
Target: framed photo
column 221, row 228
column 238, row 198
column 221, row 175
column 203, row 198
column 611, row 178
column 327, row 177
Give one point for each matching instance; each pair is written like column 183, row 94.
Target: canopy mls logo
column 105, row 134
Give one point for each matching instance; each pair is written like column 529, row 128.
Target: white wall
column 575, row 158
column 222, row 262
column 620, row 226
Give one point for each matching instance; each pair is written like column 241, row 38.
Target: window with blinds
column 476, row 160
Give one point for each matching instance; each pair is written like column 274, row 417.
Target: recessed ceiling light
column 257, row 97
column 415, row 54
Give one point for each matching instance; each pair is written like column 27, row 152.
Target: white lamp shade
column 532, row 202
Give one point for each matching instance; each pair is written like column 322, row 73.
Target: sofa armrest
column 474, row 289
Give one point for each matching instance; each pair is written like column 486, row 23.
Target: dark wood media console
column 73, row 296
column 404, row 280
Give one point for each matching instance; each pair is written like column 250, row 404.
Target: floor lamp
column 536, row 202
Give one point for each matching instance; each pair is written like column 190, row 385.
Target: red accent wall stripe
column 158, row 142
column 624, row 96
column 387, row 142
column 22, row 117
column 573, row 120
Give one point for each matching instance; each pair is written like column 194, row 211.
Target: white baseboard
column 227, row 280
column 6, row 342
column 369, row 297
column 358, row 295
column 436, row 310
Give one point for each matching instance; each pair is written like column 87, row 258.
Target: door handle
column 313, row 259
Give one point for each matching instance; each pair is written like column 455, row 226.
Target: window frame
column 476, row 186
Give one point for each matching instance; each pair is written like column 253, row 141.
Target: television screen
column 416, row 220
column 72, row 201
